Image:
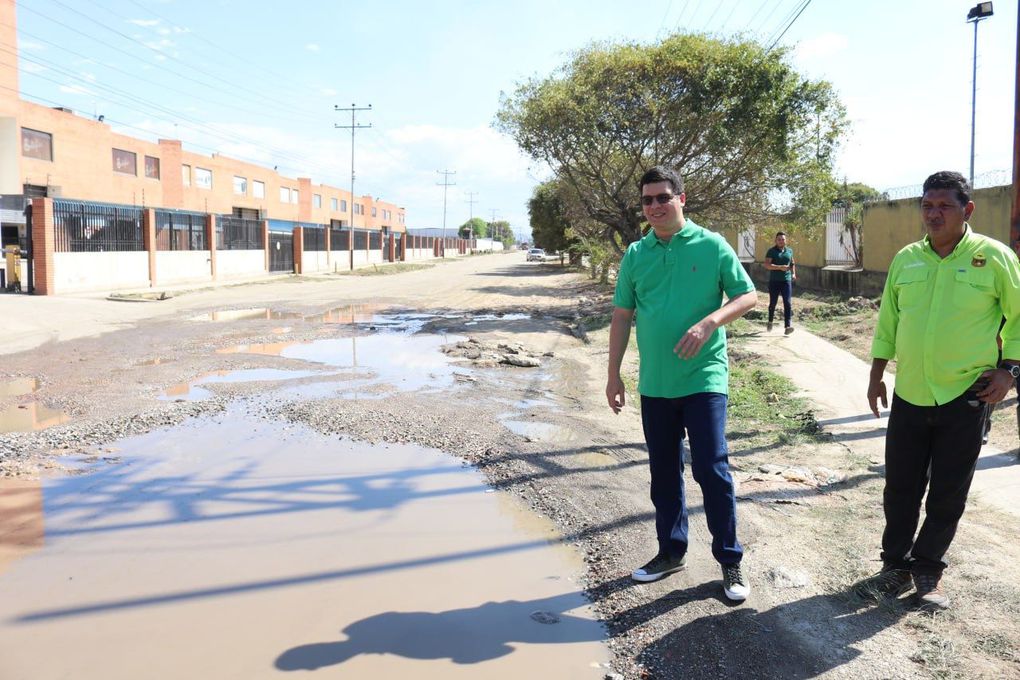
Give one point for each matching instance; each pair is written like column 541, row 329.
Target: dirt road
column 809, row 511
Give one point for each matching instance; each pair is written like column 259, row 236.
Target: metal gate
column 281, row 252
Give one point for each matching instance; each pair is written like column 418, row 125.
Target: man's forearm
column 878, row 368
column 733, row 309
column 619, row 336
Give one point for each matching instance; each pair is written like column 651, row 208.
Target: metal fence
column 360, row 239
column 96, row 227
column 315, row 238
column 176, row 230
column 339, row 238
column 236, row 233
column 374, row 240
column 842, row 245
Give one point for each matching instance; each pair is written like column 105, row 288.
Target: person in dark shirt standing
column 782, row 274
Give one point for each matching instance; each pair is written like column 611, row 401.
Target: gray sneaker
column 930, row 596
column 768, row 327
column 789, row 329
column 660, row 566
column 886, row 584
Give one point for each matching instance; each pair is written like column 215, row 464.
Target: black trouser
column 935, row 447
column 784, row 288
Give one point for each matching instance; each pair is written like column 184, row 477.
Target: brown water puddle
column 18, row 387
column 21, row 519
column 30, row 417
column 236, row 547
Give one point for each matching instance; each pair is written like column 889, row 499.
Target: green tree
column 548, row 217
column 853, row 197
column 476, row 227
column 500, row 230
column 751, row 136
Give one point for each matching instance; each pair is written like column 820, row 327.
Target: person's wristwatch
column 1013, row 369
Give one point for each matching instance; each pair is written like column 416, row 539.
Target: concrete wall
column 178, row 266
column 316, row 261
column 79, row 272
column 890, row 225
column 234, row 263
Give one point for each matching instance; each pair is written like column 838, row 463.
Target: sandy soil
column 809, row 511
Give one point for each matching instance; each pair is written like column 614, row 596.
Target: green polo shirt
column 673, row 286
column 939, row 317
column 780, row 257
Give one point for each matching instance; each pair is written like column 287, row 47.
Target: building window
column 373, row 211
column 316, row 201
column 343, row 206
column 240, row 185
column 333, row 204
column 36, row 144
column 258, row 189
column 186, row 175
column 125, row 162
column 284, row 195
column 203, row 178
column 293, row 195
column 152, row 167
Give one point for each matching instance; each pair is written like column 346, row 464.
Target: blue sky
column 259, row 80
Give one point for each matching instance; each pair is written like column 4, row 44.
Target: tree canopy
column 548, row 216
column 476, row 227
column 750, row 136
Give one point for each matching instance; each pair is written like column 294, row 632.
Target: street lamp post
column 980, row 11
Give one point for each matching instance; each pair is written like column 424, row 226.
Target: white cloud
column 312, row 47
column 821, row 46
column 144, row 23
column 31, row 46
column 29, row 67
column 328, row 91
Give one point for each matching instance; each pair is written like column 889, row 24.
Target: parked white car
column 536, row 255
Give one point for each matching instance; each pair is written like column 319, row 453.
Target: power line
column 471, row 201
column 259, row 102
column 803, row 7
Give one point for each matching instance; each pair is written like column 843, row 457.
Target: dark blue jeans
column 703, row 416
column 934, row 448
column 784, row 288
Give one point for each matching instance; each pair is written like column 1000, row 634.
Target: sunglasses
column 661, row 199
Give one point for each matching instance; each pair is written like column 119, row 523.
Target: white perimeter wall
column 182, row 265
column 75, row 272
column 315, row 261
column 240, row 263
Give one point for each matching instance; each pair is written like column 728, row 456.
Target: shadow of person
column 464, row 636
column 792, row 641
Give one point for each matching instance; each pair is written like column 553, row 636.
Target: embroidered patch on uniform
column 978, row 261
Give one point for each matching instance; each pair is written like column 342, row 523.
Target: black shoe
column 661, row 565
column 734, row 584
column 930, row 596
column 886, row 584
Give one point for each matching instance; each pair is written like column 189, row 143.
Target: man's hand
column 615, row 393
column 999, row 381
column 695, row 338
column 876, row 391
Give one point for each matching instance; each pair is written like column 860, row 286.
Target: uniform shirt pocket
column 912, row 287
column 974, row 289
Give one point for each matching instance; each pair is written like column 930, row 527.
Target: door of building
column 281, row 252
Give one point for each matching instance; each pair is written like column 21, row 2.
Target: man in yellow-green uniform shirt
column 944, row 299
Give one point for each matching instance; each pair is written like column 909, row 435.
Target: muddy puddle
column 239, row 547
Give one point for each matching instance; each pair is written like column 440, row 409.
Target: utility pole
column 471, row 211
column 980, row 11
column 352, row 127
column 446, row 183
column 1014, row 231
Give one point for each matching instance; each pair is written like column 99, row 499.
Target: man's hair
column 954, row 181
column 660, row 173
column 780, row 233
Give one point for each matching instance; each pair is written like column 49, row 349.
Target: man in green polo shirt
column 673, row 281
column 944, row 298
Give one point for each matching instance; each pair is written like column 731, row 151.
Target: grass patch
column 376, row 270
column 762, row 405
column 596, row 322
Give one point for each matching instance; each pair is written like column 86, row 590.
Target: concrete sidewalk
column 836, row 384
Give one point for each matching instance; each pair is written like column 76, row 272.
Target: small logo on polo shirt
column 978, row 261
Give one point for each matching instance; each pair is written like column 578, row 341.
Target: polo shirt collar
column 964, row 242
column 685, row 232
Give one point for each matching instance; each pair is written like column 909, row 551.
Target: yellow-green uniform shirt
column 673, row 286
column 939, row 317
